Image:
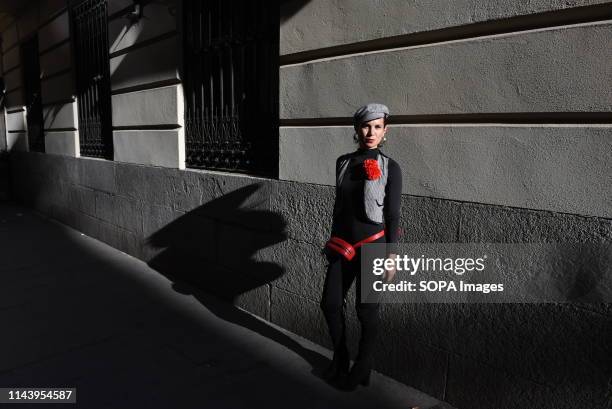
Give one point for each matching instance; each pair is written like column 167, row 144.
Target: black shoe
column 339, row 367
column 359, row 375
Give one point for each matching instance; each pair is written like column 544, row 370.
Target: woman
column 366, row 210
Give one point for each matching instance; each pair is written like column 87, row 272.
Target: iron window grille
column 31, row 84
column 90, row 33
column 230, row 82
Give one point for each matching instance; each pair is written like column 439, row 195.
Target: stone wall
column 252, row 242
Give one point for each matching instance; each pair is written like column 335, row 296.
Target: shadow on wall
column 289, row 8
column 208, row 252
column 51, row 115
column 203, row 246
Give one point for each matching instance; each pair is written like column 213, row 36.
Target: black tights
column 340, row 275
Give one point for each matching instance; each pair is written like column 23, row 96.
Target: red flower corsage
column 372, row 171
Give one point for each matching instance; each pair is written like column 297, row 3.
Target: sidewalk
column 78, row 313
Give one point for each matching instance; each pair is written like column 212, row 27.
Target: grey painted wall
column 314, row 24
column 557, row 70
column 252, row 241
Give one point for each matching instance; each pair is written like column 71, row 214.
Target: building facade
column 201, row 137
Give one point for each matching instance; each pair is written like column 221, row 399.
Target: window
column 89, row 30
column 230, row 83
column 31, row 83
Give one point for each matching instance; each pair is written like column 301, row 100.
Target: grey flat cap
column 369, row 112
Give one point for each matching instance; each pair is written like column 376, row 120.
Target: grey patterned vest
column 373, row 190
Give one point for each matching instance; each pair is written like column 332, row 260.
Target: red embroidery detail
column 372, row 171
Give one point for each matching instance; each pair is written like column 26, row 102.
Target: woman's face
column 371, row 133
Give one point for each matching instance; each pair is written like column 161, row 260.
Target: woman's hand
column 390, row 273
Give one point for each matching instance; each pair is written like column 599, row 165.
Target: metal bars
column 89, row 25
column 31, row 83
column 230, row 78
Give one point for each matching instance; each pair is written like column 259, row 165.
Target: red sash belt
column 348, row 250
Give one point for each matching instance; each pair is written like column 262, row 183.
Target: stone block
column 236, row 247
column 27, row 22
column 169, row 223
column 119, row 238
column 53, row 32
column 17, row 141
column 417, row 364
column 55, row 60
column 157, row 106
column 306, row 25
column 255, row 301
column 157, row 148
column 513, row 225
column 306, row 209
column 16, row 121
column 9, row 37
column 309, row 154
column 11, row 59
column 245, row 202
column 190, row 189
column 556, row 70
column 14, row 99
column 495, row 388
column 87, row 224
column 13, row 79
column 428, row 220
column 130, row 180
column 122, row 212
column 471, row 384
column 57, row 88
column 61, row 116
column 300, row 316
column 160, row 185
column 64, row 168
column 98, row 174
column 434, row 325
column 62, row 143
column 182, row 244
column 303, row 267
column 157, row 19
column 69, row 218
column 82, row 199
column 544, row 343
column 51, row 7
column 155, row 62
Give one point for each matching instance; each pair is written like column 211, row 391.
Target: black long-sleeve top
column 351, row 222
